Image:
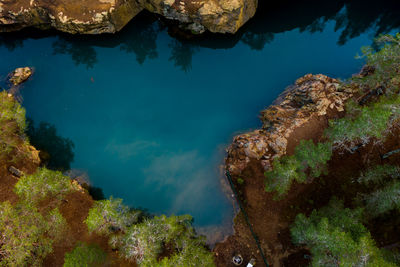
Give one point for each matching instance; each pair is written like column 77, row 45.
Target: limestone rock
column 73, row 16
column 20, row 75
column 222, row 16
column 310, row 96
column 100, row 16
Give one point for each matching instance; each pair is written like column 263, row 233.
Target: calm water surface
column 150, row 116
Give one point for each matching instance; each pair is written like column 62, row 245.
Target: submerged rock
column 311, row 97
column 20, row 75
column 109, row 16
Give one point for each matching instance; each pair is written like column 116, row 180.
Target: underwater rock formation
column 310, row 98
column 109, row 16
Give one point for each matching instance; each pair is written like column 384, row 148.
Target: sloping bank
column 324, row 162
column 109, row 16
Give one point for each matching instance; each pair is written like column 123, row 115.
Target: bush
column 108, row 216
column 336, row 237
column 42, row 184
column 13, row 145
column 26, row 237
column 308, row 157
column 145, row 242
column 11, row 111
column 85, row 255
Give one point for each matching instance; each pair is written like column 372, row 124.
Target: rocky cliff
column 312, row 97
column 109, row 16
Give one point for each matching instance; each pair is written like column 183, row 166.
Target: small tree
column 84, row 255
column 384, row 181
column 43, row 183
column 285, row 170
column 145, row 242
column 308, row 157
column 110, row 215
column 336, row 237
column 386, row 63
column 26, row 236
column 313, row 157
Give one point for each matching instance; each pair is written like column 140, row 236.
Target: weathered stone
column 14, row 171
column 20, row 75
column 100, row 16
column 312, row 95
column 73, row 16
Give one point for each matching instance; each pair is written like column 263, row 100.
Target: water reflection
column 351, row 17
column 182, row 54
column 80, row 53
column 56, row 152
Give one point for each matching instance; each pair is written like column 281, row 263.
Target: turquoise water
column 150, row 116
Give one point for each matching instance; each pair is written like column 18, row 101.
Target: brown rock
column 20, row 75
column 311, row 95
column 100, row 16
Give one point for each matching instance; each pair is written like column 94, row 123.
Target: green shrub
column 308, row 157
column 336, row 237
column 110, row 215
column 84, row 255
column 13, row 145
column 11, row 111
column 42, row 184
column 240, row 181
column 26, row 237
column 145, row 242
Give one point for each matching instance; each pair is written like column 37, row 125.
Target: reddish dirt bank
column 271, row 219
column 74, row 209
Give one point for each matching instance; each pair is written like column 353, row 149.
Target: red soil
column 271, row 219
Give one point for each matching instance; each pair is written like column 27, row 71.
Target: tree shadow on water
column 56, row 152
column 182, row 54
column 81, row 54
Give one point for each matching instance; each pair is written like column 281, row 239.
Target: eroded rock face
column 222, row 16
column 101, row 16
column 311, row 96
column 73, row 16
column 20, row 75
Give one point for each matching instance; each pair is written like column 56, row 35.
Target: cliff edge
column 109, row 16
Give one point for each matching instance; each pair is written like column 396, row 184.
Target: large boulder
column 109, row 16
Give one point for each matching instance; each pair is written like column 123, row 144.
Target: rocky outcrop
column 20, row 75
column 109, row 16
column 73, row 16
column 311, row 96
column 222, row 16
